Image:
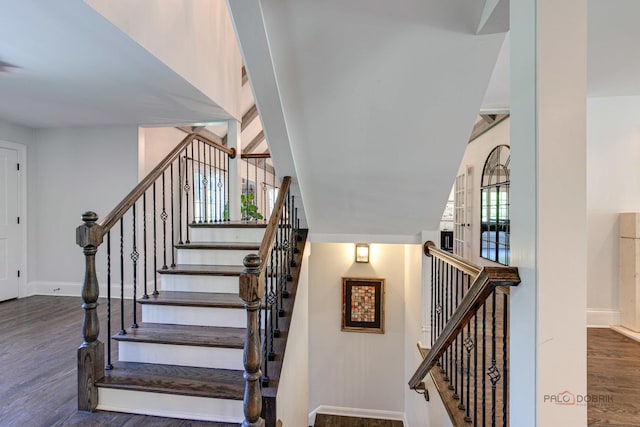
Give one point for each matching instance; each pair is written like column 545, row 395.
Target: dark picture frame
column 363, row 301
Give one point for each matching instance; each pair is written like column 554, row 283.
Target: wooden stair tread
column 245, row 246
column 204, row 270
column 201, row 336
column 194, row 299
column 231, row 224
column 172, row 379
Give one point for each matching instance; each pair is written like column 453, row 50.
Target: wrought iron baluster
column 144, row 242
column 469, row 345
column 484, row 364
column 155, row 244
column 212, row 202
column 202, row 198
column 446, row 317
column 505, row 371
column 226, row 176
column 493, row 372
column 163, row 217
column 433, row 300
column 108, row 366
column 440, row 309
column 193, row 181
column 272, row 300
column 475, row 369
column 186, row 189
column 173, row 219
column 180, row 200
column 122, row 330
column 134, row 258
column 454, row 300
column 276, row 277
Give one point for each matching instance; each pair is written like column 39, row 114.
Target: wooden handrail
column 482, row 287
column 272, row 225
column 461, row 264
column 118, row 212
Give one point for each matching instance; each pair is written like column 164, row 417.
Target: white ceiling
column 75, row 69
column 613, row 62
column 398, row 84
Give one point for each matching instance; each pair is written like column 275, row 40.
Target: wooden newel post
column 91, row 352
column 252, row 292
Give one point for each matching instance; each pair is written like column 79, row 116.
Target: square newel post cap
column 89, row 233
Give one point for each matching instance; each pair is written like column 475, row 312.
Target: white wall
column 153, row 145
column 613, row 176
column 73, row 170
column 475, row 156
column 292, row 403
column 362, row 371
column 415, row 408
column 195, row 38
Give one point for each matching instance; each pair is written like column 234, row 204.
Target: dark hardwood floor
column 613, row 377
column 39, row 335
column 38, row 340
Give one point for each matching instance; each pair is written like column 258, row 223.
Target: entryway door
column 10, row 244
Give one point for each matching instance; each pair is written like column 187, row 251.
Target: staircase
column 211, row 299
column 185, row 357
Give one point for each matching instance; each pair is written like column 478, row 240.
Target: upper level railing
column 259, row 186
column 189, row 186
column 263, row 286
column 469, row 336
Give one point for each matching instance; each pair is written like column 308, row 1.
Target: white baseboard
column 74, row 289
column 602, row 318
column 627, row 332
column 356, row 412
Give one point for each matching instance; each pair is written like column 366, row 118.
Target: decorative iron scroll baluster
column 484, row 363
column 155, row 244
column 193, row 182
column 186, row 189
column 163, row 217
column 122, row 330
column 180, row 200
column 493, row 372
column 200, row 184
column 144, row 241
column 109, row 365
column 272, row 300
column 446, row 317
column 134, row 258
column 226, row 187
column 209, row 186
column 469, row 346
column 173, row 220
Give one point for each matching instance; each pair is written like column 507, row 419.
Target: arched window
column 494, row 208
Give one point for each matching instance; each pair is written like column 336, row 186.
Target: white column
column 235, row 170
column 548, row 211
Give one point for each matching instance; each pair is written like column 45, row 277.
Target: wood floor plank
column 39, row 336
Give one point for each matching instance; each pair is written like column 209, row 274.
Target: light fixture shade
column 362, row 252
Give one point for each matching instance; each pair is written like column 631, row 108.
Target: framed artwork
column 363, row 304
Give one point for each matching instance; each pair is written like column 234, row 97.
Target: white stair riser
column 170, row 405
column 182, row 355
column 213, row 257
column 197, row 316
column 193, row 283
column 219, row 234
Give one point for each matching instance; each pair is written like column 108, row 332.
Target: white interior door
column 463, row 197
column 10, row 245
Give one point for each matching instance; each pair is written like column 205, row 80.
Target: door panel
column 10, row 245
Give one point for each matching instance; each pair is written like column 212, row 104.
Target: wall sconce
column 362, row 252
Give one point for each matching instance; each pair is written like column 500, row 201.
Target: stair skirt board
column 182, row 355
column 194, row 283
column 170, row 405
column 196, row 316
column 213, row 257
column 227, row 234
